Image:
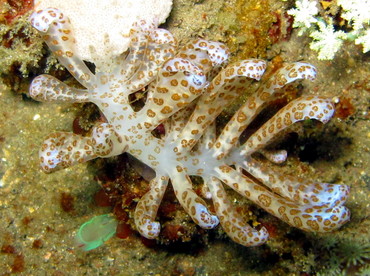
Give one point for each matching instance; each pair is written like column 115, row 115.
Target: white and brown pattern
column 186, row 92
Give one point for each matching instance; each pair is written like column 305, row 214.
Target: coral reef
column 247, row 36
column 186, row 92
column 352, row 18
column 338, row 255
column 22, row 52
column 17, row 47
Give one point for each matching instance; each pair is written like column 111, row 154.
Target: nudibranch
column 187, row 89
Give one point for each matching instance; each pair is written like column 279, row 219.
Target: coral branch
column 147, row 207
column 303, row 108
column 58, row 35
column 45, row 88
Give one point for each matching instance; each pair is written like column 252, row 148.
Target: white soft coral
column 304, row 15
column 356, row 11
column 364, row 40
column 327, row 41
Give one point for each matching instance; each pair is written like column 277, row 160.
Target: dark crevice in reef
column 328, row 145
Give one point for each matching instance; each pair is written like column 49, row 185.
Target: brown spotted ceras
column 186, row 92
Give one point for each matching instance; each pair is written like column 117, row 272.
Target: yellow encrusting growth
column 248, row 28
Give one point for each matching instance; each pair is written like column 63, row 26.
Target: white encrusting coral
column 102, row 28
column 186, row 92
